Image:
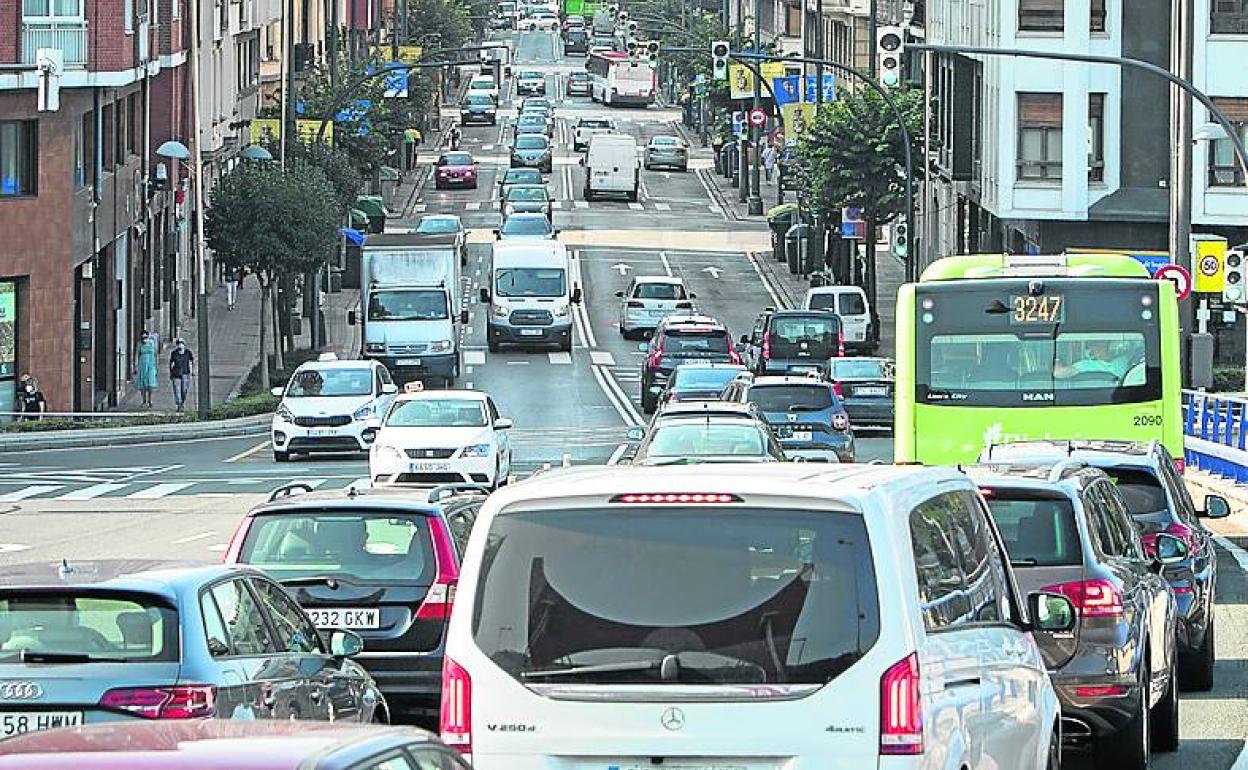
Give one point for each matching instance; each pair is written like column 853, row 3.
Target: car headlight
column 284, row 414
column 476, row 450
column 364, row 412
column 374, row 347
column 387, row 452
column 500, row 311
column 561, row 311
column 440, row 346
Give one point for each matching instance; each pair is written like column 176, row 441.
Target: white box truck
column 410, row 304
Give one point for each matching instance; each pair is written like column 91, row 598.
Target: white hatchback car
column 851, row 616
column 327, row 407
column 431, row 437
column 651, row 298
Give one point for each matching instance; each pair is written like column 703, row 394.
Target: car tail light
column 1101, row 691
column 901, row 714
column 1177, row 529
column 194, row 701
column 1180, row 464
column 840, row 422
column 684, row 305
column 676, row 497
column 441, row 595
column 1092, row 598
column 838, row 389
column 767, row 345
column 236, row 541
column 635, row 303
column 733, row 355
column 456, row 712
column 840, row 344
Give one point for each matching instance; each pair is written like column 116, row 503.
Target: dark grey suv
column 1068, row 531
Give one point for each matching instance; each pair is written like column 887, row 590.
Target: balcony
column 69, row 35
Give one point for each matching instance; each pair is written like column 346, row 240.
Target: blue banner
column 396, row 81
column 786, row 89
column 829, row 88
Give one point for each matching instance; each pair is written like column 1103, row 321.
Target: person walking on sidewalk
column 181, row 366
column 145, row 370
column 769, row 160
column 30, row 400
column 233, row 276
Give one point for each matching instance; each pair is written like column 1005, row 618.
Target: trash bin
column 779, row 220
column 796, row 240
column 335, row 281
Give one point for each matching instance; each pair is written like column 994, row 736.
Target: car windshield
column 531, row 143
column 109, row 626
column 480, row 100
column 364, row 546
column 702, row 438
column 869, row 369
column 523, row 176
column 481, row 84
column 526, row 194
column 438, row 225
column 851, row 303
column 1039, row 531
column 407, row 305
column 530, row 282
column 455, row 159
column 711, row 595
column 699, row 378
column 536, row 225
column 437, row 413
column 659, row 291
column 329, row 383
column 680, row 342
column 797, row 398
column 579, row 76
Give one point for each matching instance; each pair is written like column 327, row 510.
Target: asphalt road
column 183, row 500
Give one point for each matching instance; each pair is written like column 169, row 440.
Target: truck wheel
column 281, row 457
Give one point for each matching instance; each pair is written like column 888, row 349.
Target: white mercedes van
column 612, row 166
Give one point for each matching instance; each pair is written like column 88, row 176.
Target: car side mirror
column 576, row 296
column 1216, row 507
column 692, row 295
column 389, row 388
column 277, row 391
column 485, row 294
column 350, row 318
column 1168, row 549
column 502, row 423
column 1051, row 613
column 619, row 294
column 635, row 434
column 345, row 644
column 463, row 317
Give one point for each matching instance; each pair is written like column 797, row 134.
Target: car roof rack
column 437, row 494
column 289, row 490
column 1063, row 467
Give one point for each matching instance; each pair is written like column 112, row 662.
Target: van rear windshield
column 706, row 595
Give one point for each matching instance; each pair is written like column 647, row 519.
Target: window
column 1039, row 137
column 1096, row 511
column 1096, row 137
column 136, row 124
column 460, row 523
column 62, row 9
column 1224, row 170
column 1120, row 520
column 384, row 548
column 19, row 157
column 243, row 619
column 1228, row 17
column 1041, row 15
column 294, row 632
column 129, row 626
column 981, row 563
column 128, row 15
column 176, row 9
column 792, row 21
column 1038, row 528
column 214, row 627
column 1097, row 22
column 943, row 597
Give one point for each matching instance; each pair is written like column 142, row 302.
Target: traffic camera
column 889, row 46
column 719, row 59
column 1233, row 270
column 901, row 238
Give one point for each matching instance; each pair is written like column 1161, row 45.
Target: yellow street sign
column 410, row 53
column 741, row 78
column 1208, row 263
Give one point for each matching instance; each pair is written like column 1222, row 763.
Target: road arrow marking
column 623, row 268
column 714, row 271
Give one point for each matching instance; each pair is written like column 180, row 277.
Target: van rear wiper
column 597, row 668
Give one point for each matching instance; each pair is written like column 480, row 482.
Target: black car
column 793, row 341
column 680, row 339
column 575, row 41
column 578, row 84
column 865, row 386
column 1067, row 531
column 698, row 382
column 381, row 563
column 478, row 108
column 1159, row 503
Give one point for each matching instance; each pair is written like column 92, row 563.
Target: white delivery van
column 850, row 303
column 529, row 295
column 612, row 166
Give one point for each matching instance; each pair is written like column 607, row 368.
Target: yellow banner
column 269, row 131
column 308, row 130
column 266, row 131
column 410, row 53
column 741, row 78
column 1208, row 255
column 798, row 119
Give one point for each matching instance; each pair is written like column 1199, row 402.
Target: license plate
column 345, row 617
column 408, row 362
column 322, row 432
column 19, row 722
column 802, row 435
column 531, row 332
column 871, row 390
column 422, row 467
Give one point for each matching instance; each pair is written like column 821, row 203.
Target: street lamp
column 1210, row 132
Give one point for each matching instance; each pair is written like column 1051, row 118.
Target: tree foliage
column 335, row 163
column 856, row 156
column 439, row 23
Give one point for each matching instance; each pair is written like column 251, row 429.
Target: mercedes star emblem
column 673, row 719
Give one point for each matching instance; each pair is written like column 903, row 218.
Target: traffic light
column 614, row 10
column 631, row 29
column 719, row 59
column 631, row 47
column 651, row 51
column 901, row 238
column 1233, row 269
column 889, row 46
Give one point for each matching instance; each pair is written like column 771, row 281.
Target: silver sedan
column 667, row 152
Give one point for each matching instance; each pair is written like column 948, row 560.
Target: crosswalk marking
column 420, row 208
column 364, row 483
column 602, row 357
column 636, row 207
column 560, row 357
column 91, row 492
column 662, row 207
column 474, row 357
column 159, row 490
column 556, row 204
column 31, row 491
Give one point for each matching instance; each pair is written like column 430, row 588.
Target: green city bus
column 997, row 348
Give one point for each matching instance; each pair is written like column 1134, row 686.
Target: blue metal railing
column 1215, row 429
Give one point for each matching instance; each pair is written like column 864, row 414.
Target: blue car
column 803, row 411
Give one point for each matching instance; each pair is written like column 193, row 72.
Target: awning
column 371, row 205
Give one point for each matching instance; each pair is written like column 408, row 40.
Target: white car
column 649, row 299
column 530, row 82
column 544, row 19
column 483, row 84
column 432, row 437
column 587, row 127
column 327, row 407
column 851, row 616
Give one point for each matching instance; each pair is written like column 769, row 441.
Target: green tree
column 439, row 23
column 273, row 223
column 335, row 163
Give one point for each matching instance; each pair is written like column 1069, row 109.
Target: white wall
column 1219, row 71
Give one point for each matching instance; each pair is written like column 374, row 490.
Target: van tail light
column 441, row 595
column 840, row 344
column 901, row 714
column 838, row 389
column 684, row 305
column 1180, row 464
column 767, row 345
column 192, row 701
column 1092, row 598
column 456, row 711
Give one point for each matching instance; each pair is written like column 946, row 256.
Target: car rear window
column 481, row 100
column 1039, row 531
column 701, row 438
column 365, row 546
column 704, row 379
column 659, row 291
column 820, row 327
column 104, row 626
column 849, row 369
column 792, row 398
column 710, row 595
column 592, row 123
column 1141, row 490
column 689, row 342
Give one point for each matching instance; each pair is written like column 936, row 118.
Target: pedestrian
column 181, row 366
column 455, row 137
column 769, row 160
column 145, row 371
column 30, row 399
column 232, row 277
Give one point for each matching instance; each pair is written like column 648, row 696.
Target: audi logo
column 20, row 691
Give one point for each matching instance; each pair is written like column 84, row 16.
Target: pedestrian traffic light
column 719, row 59
column 631, row 28
column 889, row 46
column 901, row 238
column 614, row 10
column 1233, row 270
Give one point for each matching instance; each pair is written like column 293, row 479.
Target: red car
column 216, row 744
column 455, row 169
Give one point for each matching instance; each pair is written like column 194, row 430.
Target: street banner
column 396, row 81
column 410, row 54
column 741, row 78
column 798, row 118
column 269, row 131
column 786, row 90
column 829, row 88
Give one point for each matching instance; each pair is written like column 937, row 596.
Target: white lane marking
column 467, row 370
column 158, row 491
column 472, row 205
column 487, row 146
column 420, row 208
column 667, row 265
column 91, row 492
column 560, row 357
column 248, row 452
column 468, row 385
column 218, row 547
column 602, row 357
column 636, row 207
column 474, row 357
column 517, row 363
column 581, row 313
column 775, row 297
column 361, row 483
column 713, row 207
column 31, row 491
column 581, row 204
column 614, row 459
column 193, row 538
column 715, row 210
column 622, row 406
column 13, row 547
column 662, row 207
